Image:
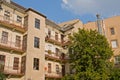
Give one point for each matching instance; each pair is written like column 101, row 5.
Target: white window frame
column 114, row 43
column 117, row 60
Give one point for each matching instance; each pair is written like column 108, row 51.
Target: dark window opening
column 36, row 42
column 36, row 64
column 37, row 23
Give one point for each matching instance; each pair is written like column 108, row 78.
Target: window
column 36, row 64
column 114, row 43
column 72, row 70
column 112, row 31
column 63, row 70
column 49, row 67
column 19, row 19
column 23, row 64
column 36, row 42
column 16, row 63
column 62, row 56
column 24, row 45
column 62, row 38
column 57, row 51
column 2, row 62
column 37, row 23
column 26, row 22
column 49, row 47
column 7, row 15
column 57, row 69
column 18, row 41
column 49, row 33
column 2, row 59
column 56, row 36
column 117, row 59
column 4, row 37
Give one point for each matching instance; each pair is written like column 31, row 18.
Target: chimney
column 99, row 24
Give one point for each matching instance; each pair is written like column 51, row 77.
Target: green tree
column 89, row 54
column 68, row 77
column 2, row 76
column 115, row 74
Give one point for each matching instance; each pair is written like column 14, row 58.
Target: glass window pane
column 37, row 23
column 112, row 31
column 36, row 64
column 36, row 42
column 114, row 44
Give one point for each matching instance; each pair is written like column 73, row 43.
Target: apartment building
column 22, row 45
column 33, row 47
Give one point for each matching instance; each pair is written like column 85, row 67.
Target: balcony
column 11, row 24
column 52, row 56
column 56, row 42
column 53, row 75
column 12, row 46
column 65, row 43
column 51, row 40
column 8, row 70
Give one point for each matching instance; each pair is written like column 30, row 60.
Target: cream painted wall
column 35, row 52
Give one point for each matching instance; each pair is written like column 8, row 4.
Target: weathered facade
column 35, row 48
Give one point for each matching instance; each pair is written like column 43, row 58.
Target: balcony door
column 4, row 37
column 63, row 70
column 2, row 62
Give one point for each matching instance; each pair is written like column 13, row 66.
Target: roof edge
column 30, row 9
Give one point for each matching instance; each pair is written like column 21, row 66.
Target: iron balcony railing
column 10, row 70
column 52, row 56
column 53, row 74
column 52, row 39
column 10, row 45
column 10, row 23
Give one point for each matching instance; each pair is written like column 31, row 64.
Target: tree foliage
column 68, row 77
column 2, row 76
column 89, row 54
column 115, row 74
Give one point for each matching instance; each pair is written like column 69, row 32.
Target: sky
column 65, row 10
